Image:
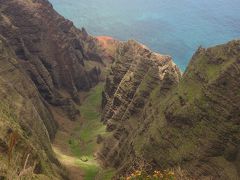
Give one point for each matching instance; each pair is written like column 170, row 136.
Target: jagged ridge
column 135, row 74
column 60, row 59
column 194, row 124
column 45, row 62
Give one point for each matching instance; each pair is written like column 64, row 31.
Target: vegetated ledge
column 159, row 119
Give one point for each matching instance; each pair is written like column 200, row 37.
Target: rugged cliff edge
column 136, row 74
column 45, row 62
column 26, row 125
column 193, row 124
column 60, row 59
column 156, row 117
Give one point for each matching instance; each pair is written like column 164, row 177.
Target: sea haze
column 174, row 27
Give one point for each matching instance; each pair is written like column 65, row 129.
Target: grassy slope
column 204, row 112
column 83, row 142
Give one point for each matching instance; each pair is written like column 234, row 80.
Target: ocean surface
column 173, row 27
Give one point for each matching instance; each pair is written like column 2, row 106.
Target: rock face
column 44, row 61
column 108, row 46
column 55, row 55
column 193, row 124
column 26, row 125
column 154, row 115
column 136, row 75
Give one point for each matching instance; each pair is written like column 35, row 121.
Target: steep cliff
column 136, row 74
column 26, row 125
column 60, row 59
column 156, row 117
column 193, row 124
column 45, row 62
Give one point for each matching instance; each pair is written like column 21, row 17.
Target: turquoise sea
column 174, row 27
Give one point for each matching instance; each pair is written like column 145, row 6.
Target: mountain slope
column 156, row 118
column 136, row 74
column 60, row 59
column 194, row 124
column 26, row 124
column 45, row 65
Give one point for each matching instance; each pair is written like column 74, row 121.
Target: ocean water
column 173, row 27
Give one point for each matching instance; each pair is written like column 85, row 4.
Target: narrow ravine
column 75, row 143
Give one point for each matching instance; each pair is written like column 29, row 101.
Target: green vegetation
column 87, row 132
column 6, row 112
column 83, row 143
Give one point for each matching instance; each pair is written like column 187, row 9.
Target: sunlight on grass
column 83, row 144
column 91, row 168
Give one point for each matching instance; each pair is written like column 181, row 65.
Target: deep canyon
column 75, row 106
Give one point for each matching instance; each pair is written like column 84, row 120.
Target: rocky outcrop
column 26, row 124
column 44, row 61
column 108, row 46
column 136, row 74
column 56, row 55
column 194, row 125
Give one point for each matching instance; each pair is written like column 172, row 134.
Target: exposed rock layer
column 153, row 114
column 193, row 124
column 26, row 125
column 136, row 74
column 56, row 55
column 44, row 61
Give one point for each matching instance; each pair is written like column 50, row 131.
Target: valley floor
column 75, row 143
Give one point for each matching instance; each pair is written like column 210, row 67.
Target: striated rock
column 193, row 124
column 26, row 124
column 51, row 50
column 156, row 117
column 135, row 76
column 202, row 133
